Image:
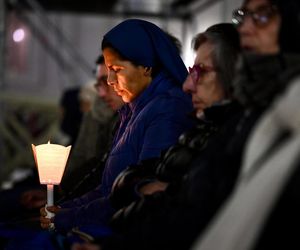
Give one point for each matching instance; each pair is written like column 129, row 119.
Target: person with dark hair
column 145, row 69
column 161, row 219
column 71, row 114
column 265, row 202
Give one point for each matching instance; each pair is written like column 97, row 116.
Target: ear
column 148, row 71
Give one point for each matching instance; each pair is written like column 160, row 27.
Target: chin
column 125, row 99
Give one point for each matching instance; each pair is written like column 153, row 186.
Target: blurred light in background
column 18, row 35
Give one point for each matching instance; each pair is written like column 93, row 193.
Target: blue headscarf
column 146, row 44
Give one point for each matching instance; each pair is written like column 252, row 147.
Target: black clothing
column 261, row 78
column 172, row 219
column 72, row 114
column 173, row 163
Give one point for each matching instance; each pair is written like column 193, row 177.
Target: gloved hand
column 124, row 187
column 174, row 164
column 138, row 211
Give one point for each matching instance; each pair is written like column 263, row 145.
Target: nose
column 188, row 85
column 247, row 25
column 111, row 78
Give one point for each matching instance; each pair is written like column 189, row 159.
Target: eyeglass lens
column 197, row 70
column 261, row 16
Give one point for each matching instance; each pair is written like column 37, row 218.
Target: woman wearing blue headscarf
column 145, row 69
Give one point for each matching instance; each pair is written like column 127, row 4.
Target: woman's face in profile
column 204, row 85
column 127, row 79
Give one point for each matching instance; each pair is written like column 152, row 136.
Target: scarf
column 260, row 78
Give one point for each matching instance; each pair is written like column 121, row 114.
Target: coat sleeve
column 94, row 213
column 84, row 199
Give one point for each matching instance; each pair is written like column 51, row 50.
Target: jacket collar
column 159, row 85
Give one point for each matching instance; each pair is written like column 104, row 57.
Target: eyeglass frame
column 199, row 69
column 259, row 19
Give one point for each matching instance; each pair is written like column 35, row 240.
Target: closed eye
column 115, row 69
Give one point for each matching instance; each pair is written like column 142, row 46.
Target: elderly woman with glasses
column 210, row 79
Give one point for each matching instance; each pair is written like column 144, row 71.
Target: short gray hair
column 225, row 39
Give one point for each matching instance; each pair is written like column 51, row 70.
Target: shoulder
column 286, row 106
column 166, row 106
column 172, row 99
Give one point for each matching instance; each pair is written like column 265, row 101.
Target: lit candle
column 51, row 161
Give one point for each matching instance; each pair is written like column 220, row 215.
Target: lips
column 247, row 44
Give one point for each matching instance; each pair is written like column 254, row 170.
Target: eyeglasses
column 199, row 69
column 261, row 16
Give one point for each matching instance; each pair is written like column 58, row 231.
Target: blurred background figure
column 71, row 111
column 87, row 96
